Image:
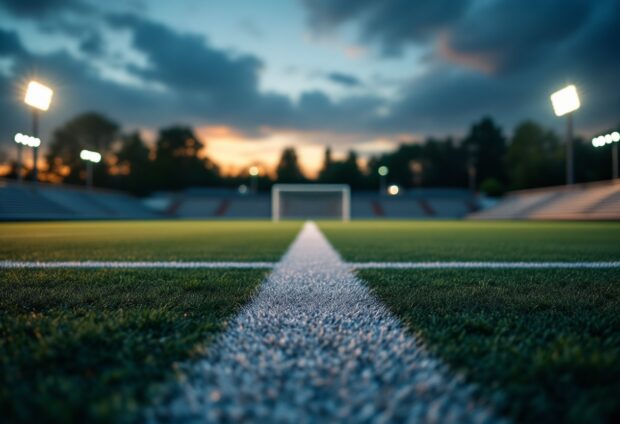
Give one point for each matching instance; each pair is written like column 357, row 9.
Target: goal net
column 310, row 201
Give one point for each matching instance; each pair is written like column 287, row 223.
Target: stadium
column 242, row 213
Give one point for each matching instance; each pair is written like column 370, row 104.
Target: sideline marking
column 484, row 265
column 138, row 264
column 270, row 265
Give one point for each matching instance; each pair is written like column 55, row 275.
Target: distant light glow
column 27, row 140
column 90, row 156
column 393, row 190
column 38, row 95
column 383, row 170
column 602, row 140
column 243, row 189
column 565, row 100
column 253, row 171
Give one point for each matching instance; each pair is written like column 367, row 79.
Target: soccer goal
column 310, row 201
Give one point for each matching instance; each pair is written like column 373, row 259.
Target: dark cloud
column 200, row 85
column 10, row 45
column 391, row 22
column 92, row 44
column 499, row 57
column 346, row 80
column 41, row 8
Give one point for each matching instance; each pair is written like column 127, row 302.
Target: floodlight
column 253, row 171
column 615, row 136
column 565, row 100
column 393, row 190
column 383, row 170
column 90, row 156
column 608, row 139
column 27, row 140
column 38, row 95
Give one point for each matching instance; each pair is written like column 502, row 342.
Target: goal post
column 310, row 201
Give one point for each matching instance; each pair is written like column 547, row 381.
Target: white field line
column 138, row 264
column 269, row 265
column 315, row 345
column 484, row 265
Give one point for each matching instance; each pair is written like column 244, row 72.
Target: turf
column 93, row 345
column 549, row 340
column 146, row 240
column 474, row 241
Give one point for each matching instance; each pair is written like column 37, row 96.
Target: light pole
column 565, row 102
column 253, row 171
column 38, row 97
column 90, row 158
column 382, row 171
column 613, row 139
column 24, row 140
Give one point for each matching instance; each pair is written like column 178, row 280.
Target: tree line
column 485, row 159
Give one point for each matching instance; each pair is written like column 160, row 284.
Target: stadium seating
column 590, row 201
column 46, row 201
column 21, row 201
column 229, row 204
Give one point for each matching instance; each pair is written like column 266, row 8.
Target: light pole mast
column 565, row 102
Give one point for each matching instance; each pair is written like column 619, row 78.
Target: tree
column 135, row 165
column 486, row 145
column 341, row 172
column 288, row 170
column 177, row 164
column 90, row 131
column 535, row 157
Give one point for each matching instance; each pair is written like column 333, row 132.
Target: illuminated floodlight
column 93, row 157
column 393, row 190
column 383, row 170
column 27, row 140
column 565, row 100
column 253, row 171
column 615, row 136
column 608, row 139
column 38, row 95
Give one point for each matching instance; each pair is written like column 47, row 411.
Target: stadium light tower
column 383, row 171
column 38, row 97
column 90, row 158
column 24, row 140
column 565, row 102
column 254, row 171
column 612, row 138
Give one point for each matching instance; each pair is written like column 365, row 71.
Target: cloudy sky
column 255, row 76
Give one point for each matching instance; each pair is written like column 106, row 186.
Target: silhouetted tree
column 177, row 164
column 133, row 160
column 288, row 170
column 90, row 131
column 486, row 143
column 535, row 157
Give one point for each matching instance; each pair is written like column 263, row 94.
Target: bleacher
column 591, row 201
column 27, row 201
column 229, row 204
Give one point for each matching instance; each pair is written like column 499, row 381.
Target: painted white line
column 315, row 345
column 484, row 265
column 139, row 264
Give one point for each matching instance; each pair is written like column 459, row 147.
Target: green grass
column 93, row 345
column 473, row 241
column 146, row 240
column 549, row 340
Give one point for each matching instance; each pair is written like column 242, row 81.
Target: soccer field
column 101, row 344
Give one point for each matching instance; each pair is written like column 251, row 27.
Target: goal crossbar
column 278, row 189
